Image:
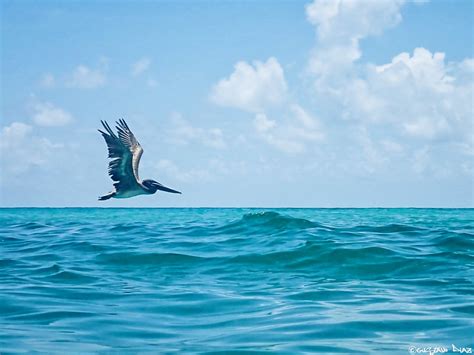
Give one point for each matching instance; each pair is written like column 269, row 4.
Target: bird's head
column 152, row 186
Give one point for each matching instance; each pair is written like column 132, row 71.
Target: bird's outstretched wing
column 125, row 152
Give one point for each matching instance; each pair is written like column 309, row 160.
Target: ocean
column 92, row 280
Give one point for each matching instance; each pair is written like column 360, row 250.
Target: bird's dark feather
column 125, row 152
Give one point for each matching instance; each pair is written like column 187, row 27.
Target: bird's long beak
column 167, row 189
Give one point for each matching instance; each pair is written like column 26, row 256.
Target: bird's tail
column 106, row 197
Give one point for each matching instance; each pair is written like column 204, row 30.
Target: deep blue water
column 219, row 280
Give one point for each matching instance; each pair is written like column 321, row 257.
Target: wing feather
column 125, row 152
column 128, row 139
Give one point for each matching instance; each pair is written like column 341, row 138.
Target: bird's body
column 125, row 194
column 125, row 152
column 131, row 193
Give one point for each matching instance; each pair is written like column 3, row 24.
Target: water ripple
column 235, row 280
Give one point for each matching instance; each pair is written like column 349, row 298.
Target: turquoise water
column 219, row 280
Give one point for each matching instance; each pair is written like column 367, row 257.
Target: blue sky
column 244, row 103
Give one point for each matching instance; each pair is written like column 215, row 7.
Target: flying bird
column 125, row 152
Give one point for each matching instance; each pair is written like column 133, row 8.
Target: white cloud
column 13, row 134
column 46, row 114
column 426, row 69
column 172, row 170
column 267, row 130
column 416, row 109
column 383, row 113
column 21, row 149
column 209, row 170
column 307, row 126
column 340, row 25
column 262, row 123
column 182, row 132
column 391, row 146
column 259, row 88
column 84, row 77
column 252, row 87
column 467, row 65
column 140, row 66
column 427, row 127
column 418, row 95
column 372, row 157
column 291, row 135
column 348, row 20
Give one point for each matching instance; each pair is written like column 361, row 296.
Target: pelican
column 125, row 152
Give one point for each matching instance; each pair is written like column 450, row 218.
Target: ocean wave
column 143, row 259
column 387, row 229
column 184, row 280
column 276, row 220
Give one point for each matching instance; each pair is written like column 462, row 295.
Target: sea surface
column 235, row 280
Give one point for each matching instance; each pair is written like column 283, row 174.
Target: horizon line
column 225, row 207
